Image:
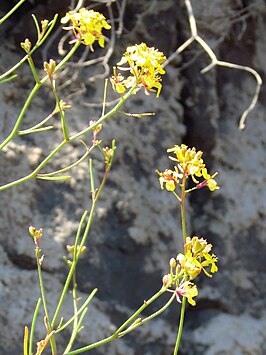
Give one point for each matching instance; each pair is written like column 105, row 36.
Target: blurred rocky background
column 137, row 226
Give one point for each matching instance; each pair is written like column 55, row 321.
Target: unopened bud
column 26, row 45
column 172, row 263
column 167, row 279
column 64, row 106
column 108, row 152
column 35, row 233
column 71, row 248
column 49, row 67
column 44, row 24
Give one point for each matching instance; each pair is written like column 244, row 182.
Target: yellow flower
column 87, row 26
column 169, row 178
column 118, row 82
column 209, row 180
column 187, row 289
column 145, row 66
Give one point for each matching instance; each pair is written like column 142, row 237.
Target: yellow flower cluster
column 145, row 65
column 190, row 163
column 87, row 26
column 187, row 266
column 197, row 257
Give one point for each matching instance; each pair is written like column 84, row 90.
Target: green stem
column 92, row 180
column 76, row 253
column 107, row 115
column 75, row 320
column 21, row 115
column 184, row 233
column 37, row 45
column 4, row 18
column 38, row 125
column 143, row 321
column 69, row 276
column 68, row 167
column 119, row 330
column 181, row 323
column 62, row 327
column 86, row 232
column 37, row 130
column 75, row 257
column 43, row 296
column 183, row 210
column 32, row 94
column 35, row 172
column 77, row 249
column 59, row 108
column 141, row 309
column 61, row 145
column 33, row 323
column 33, row 70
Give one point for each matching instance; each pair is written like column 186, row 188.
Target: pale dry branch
column 216, row 62
column 122, row 9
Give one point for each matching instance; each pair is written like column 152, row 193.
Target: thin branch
column 216, row 62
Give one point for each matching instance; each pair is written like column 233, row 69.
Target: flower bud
column 35, row 233
column 44, row 24
column 172, row 263
column 71, row 248
column 26, row 45
column 49, row 67
column 167, row 279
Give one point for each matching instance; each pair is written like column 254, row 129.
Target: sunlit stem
column 143, row 321
column 59, row 108
column 82, row 308
column 71, row 271
column 181, row 323
column 37, row 45
column 75, row 320
column 26, row 338
column 32, row 94
column 33, row 323
column 183, row 209
column 43, row 296
column 33, row 70
column 4, row 18
column 122, row 327
column 38, row 125
column 184, row 233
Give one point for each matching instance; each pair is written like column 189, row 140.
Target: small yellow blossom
column 209, row 180
column 118, row 82
column 169, row 179
column 87, row 26
column 145, row 66
column 187, row 289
